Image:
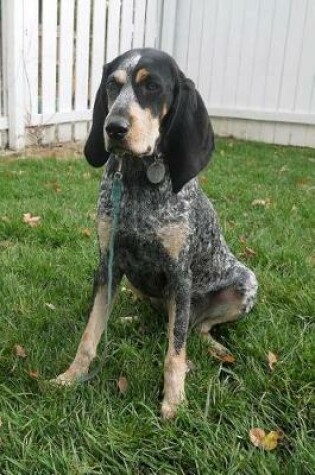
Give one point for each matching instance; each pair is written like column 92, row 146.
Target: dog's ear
column 188, row 139
column 94, row 149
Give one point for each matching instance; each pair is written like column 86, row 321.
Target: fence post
column 15, row 72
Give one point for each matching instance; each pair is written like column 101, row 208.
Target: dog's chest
column 153, row 231
column 151, row 226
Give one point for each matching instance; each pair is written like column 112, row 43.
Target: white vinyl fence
column 252, row 60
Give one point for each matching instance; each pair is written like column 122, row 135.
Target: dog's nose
column 117, row 128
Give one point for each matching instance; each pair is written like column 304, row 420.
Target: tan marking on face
column 175, row 368
column 144, row 130
column 173, row 238
column 104, row 226
column 164, row 111
column 141, row 75
column 120, row 76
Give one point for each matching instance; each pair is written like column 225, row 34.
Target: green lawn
column 93, row 429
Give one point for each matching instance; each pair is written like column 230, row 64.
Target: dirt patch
column 60, row 151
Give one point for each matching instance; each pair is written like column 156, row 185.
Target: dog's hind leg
column 226, row 305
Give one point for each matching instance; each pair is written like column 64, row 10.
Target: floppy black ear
column 188, row 141
column 94, row 149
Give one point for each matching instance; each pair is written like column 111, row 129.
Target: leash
column 116, row 194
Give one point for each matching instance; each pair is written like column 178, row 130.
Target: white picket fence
column 252, row 60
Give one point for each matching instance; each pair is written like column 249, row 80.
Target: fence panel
column 255, row 69
column 252, row 61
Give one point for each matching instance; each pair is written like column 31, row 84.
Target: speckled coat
column 168, row 242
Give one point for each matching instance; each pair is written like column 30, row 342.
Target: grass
column 93, row 429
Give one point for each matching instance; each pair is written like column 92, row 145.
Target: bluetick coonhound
column 168, row 243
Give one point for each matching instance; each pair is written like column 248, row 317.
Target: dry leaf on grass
column 32, row 221
column 86, row 232
column 256, row 435
column 122, row 384
column 0, row 422
column 249, row 252
column 33, row 374
column 260, row 439
column 272, row 359
column 225, row 357
column 20, row 351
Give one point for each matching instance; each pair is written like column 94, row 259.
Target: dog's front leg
column 175, row 366
column 99, row 312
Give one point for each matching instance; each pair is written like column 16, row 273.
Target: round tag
column 156, row 172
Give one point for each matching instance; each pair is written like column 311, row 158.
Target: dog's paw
column 68, row 378
column 168, row 411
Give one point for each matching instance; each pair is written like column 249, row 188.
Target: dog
column 150, row 120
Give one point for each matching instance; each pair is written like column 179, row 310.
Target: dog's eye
column 113, row 85
column 151, row 86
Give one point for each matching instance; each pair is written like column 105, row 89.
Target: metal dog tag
column 156, row 172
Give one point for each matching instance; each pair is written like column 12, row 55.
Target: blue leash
column 116, row 194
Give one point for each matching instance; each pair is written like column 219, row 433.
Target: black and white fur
column 168, row 244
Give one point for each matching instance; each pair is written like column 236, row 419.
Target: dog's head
column 145, row 105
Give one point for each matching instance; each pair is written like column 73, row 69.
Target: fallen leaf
column 122, row 384
column 256, row 436
column 270, row 441
column 249, row 252
column 86, row 232
column 50, row 305
column 272, row 359
column 33, row 374
column 225, row 357
column 0, row 422
column 260, row 439
column 259, row 202
column 301, row 182
column 32, row 221
column 20, row 351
